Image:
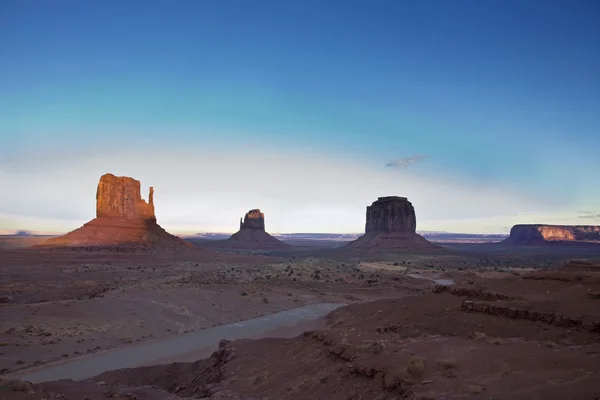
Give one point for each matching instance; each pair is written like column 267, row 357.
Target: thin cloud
column 589, row 215
column 404, row 162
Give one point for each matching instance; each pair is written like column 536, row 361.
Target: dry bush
column 476, row 389
column 14, row 386
column 447, row 363
column 505, row 369
column 416, row 367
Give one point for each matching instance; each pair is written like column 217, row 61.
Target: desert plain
column 119, row 308
column 399, row 333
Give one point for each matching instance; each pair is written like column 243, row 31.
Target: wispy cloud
column 404, row 162
column 588, row 214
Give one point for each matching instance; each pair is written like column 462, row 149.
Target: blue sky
column 484, row 96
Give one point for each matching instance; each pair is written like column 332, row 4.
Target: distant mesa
column 252, row 234
column 390, row 227
column 539, row 234
column 124, row 222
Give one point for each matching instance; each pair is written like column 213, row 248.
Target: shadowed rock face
column 252, row 234
column 119, row 197
column 531, row 234
column 391, row 228
column 253, row 219
column 391, row 214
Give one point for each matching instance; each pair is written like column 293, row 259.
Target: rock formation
column 252, row 234
column 253, row 219
column 119, row 197
column 391, row 228
column 540, row 234
column 124, row 222
column 391, row 214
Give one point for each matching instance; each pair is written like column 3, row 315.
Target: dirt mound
column 392, row 242
column 253, row 239
column 119, row 235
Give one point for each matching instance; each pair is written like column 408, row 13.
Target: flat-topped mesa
column 253, row 219
column 391, row 214
column 539, row 233
column 120, row 197
column 391, row 228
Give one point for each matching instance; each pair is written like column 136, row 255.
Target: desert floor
column 515, row 323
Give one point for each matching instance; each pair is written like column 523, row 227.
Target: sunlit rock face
column 120, row 197
column 124, row 222
column 539, row 233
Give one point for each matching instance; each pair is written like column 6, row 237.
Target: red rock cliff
column 537, row 233
column 253, row 219
column 391, row 214
column 120, row 197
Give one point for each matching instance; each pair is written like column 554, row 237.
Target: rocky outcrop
column 120, row 197
column 472, row 293
column 252, row 235
column 539, row 234
column 124, row 223
column 391, row 214
column 514, row 311
column 391, row 228
column 253, row 219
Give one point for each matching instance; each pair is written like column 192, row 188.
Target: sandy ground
column 510, row 321
column 81, row 305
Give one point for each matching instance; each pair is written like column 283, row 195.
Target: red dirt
column 252, row 239
column 392, row 242
column 417, row 347
column 119, row 235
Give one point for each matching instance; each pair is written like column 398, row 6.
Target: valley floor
column 510, row 327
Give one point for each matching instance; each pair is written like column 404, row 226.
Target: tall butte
column 252, row 234
column 124, row 222
column 390, row 227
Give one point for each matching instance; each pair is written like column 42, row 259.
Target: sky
column 484, row 114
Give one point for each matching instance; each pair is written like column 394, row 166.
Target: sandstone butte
column 252, row 234
column 124, row 222
column 542, row 234
column 390, row 227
